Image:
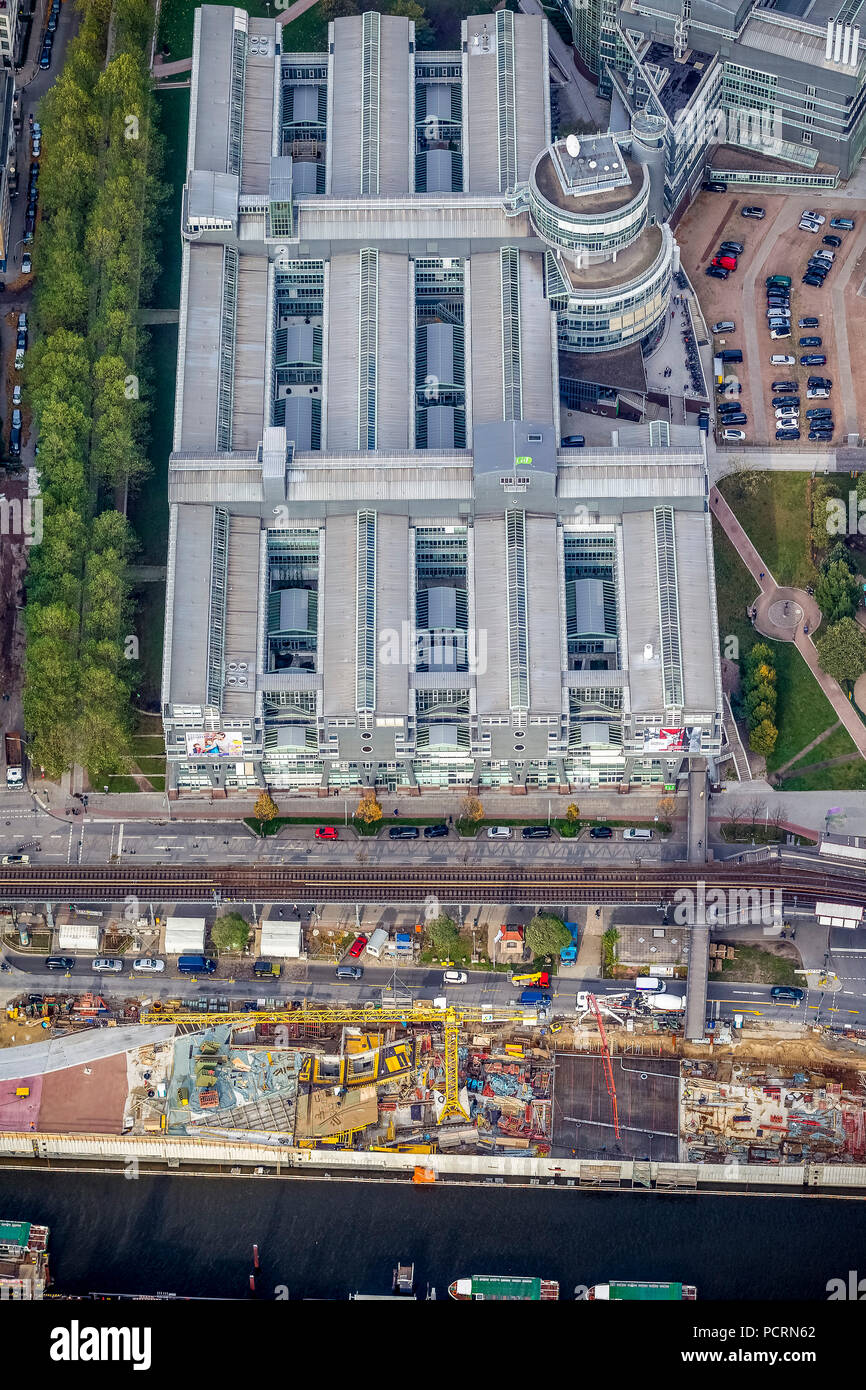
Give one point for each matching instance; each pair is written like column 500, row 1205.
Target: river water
column 326, row 1239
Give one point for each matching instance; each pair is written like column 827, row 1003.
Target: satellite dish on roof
column 572, row 145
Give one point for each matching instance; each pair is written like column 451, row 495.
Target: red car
column 729, row 262
column 357, row 947
column 326, row 832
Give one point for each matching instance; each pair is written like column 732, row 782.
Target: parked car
column 736, row 248
column 818, row 412
column 601, row 832
column 729, row 262
column 843, row 224
column 573, row 441
column 44, row 62
column 738, row 419
column 781, row 360
column 26, row 263
column 725, row 326
column 19, row 359
column 499, row 832
column 149, row 965
column 808, row 226
column 815, row 217
column 111, row 965
column 787, row 434
column 327, row 832
column 358, row 946
column 717, row 272
column 820, row 381
column 817, row 393
column 60, row 963
column 16, row 859
column 820, row 436
column 37, row 139
column 813, row 359
column 810, row 342
column 349, row 972
column 752, row 212
column 435, row 832
column 734, row 436
column 779, row 330
column 536, row 832
column 787, row 992
column 808, row 322
column 455, row 977
column 21, row 341
column 16, row 393
column 784, row 386
column 403, row 832
column 52, row 22
column 713, row 186
column 816, row 281
column 778, row 280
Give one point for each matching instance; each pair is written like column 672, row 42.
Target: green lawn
column 306, row 34
column 173, row 107
column 776, row 520
column 150, row 625
column 835, row 745
column 803, row 712
column 846, row 777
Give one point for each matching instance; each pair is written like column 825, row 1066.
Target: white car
column 817, row 393
column 499, row 832
column 780, row 360
column 734, row 435
column 784, row 412
column 455, row 977
column 148, row 965
column 16, row 393
column 809, row 226
column 814, row 217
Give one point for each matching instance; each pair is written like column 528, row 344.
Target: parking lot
column 775, row 246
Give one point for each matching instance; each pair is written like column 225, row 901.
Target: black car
column 731, row 248
column 779, row 401
column 403, row 832
column 815, row 280
column 21, row 341
column 787, row 992
column 601, row 832
column 45, row 57
column 728, row 408
column 435, row 832
column 784, row 386
column 807, row 323
column 15, row 439
column 813, row 359
column 787, row 434
column 825, row 381
column 752, row 212
column 718, row 272
column 832, row 240
column 60, row 963
column 821, row 436
column 712, row 186
column 819, row 412
column 536, row 832
column 739, row 419
column 810, row 342
column 29, row 227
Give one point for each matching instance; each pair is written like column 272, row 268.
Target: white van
column 778, row 361
column 649, row 983
column 377, row 943
column 637, row 834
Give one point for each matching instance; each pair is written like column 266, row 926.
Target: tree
column 444, row 934
column 471, row 809
column 762, row 739
column 572, row 814
column 266, row 809
column 837, row 592
column 842, row 650
column 369, row 810
column 666, row 808
column 546, row 935
column 230, row 933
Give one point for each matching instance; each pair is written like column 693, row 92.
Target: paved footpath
column 771, row 595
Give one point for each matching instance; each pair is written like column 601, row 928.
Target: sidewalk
column 638, row 806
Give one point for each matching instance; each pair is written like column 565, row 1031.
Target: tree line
column 101, row 198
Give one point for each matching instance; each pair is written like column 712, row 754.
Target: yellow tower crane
column 451, row 1019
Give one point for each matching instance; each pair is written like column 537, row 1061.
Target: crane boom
column 605, row 1055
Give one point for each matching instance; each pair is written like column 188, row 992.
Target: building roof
column 623, row 368
column 189, row 572
column 184, row 934
column 210, row 105
column 587, row 199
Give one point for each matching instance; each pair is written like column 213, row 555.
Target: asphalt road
column 315, row 981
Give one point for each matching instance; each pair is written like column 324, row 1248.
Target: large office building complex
column 383, row 567
column 780, row 79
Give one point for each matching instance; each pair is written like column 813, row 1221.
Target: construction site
column 615, row 1083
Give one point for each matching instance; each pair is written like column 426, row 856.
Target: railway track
column 399, row 883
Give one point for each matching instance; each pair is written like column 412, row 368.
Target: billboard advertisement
column 219, row 745
column 672, row 740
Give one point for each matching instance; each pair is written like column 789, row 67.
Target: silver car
column 148, row 965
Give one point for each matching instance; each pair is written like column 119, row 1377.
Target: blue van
column 539, row 997
column 196, row 965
